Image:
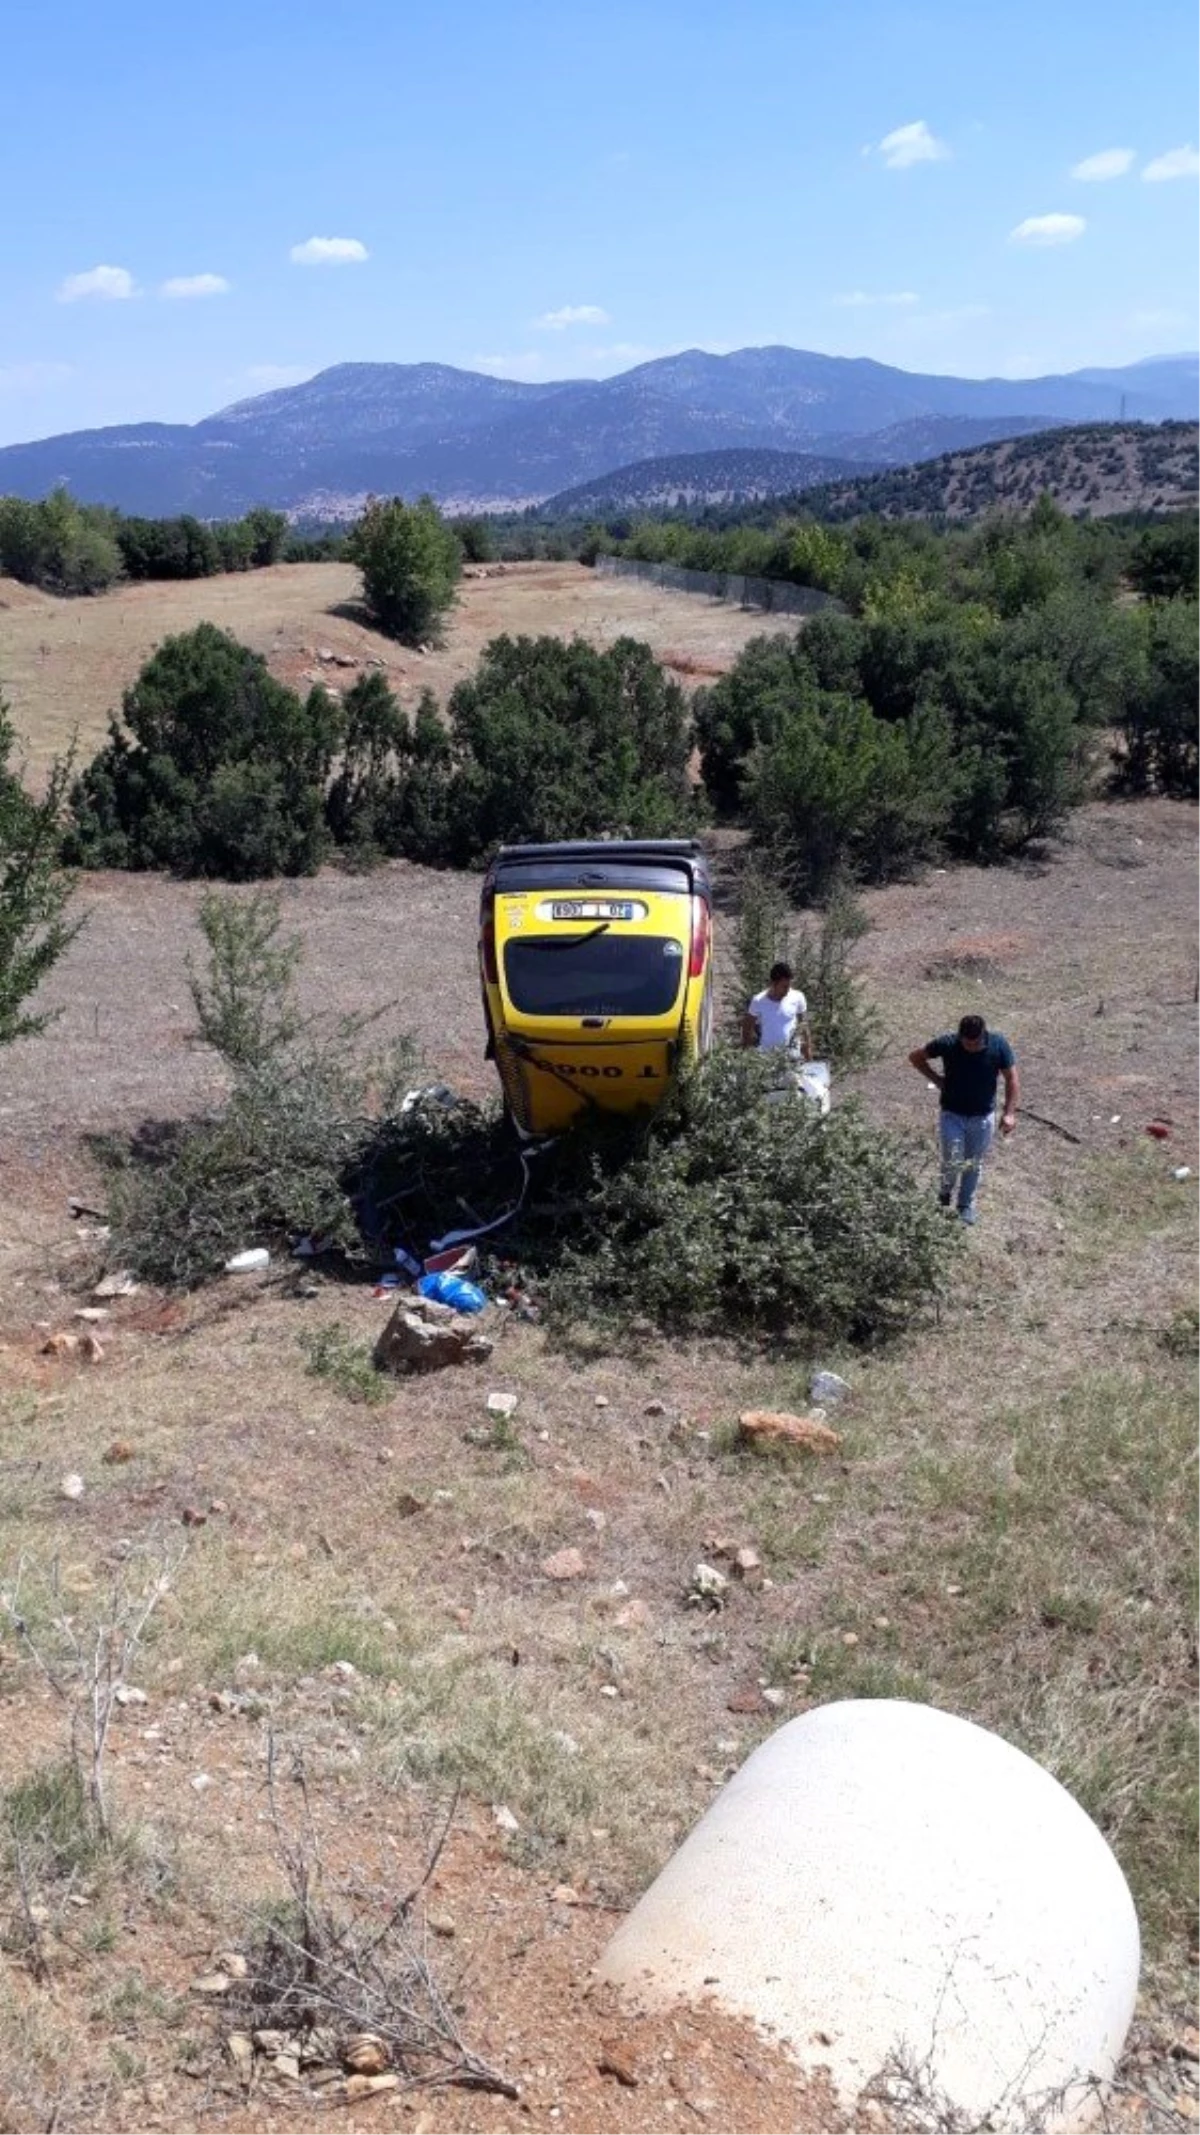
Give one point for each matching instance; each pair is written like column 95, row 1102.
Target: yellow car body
column 596, row 966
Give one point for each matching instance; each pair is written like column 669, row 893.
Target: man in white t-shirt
column 777, row 1017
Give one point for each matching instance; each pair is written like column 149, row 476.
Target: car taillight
column 487, row 937
column 701, row 937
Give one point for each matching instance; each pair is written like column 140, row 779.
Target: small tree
column 217, row 769
column 244, row 1003
column 363, row 804
column 558, row 740
column 34, row 891
column 410, row 561
column 843, row 1023
column 761, row 936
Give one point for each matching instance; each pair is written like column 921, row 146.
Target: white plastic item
column 255, row 1258
column 889, row 1887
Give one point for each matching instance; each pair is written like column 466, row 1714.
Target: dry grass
column 65, row 663
column 1007, row 1531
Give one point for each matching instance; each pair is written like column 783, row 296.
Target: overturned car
column 596, row 967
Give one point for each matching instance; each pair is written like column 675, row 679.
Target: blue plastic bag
column 452, row 1290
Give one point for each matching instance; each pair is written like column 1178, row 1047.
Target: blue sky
column 549, row 191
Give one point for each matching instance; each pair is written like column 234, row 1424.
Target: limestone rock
column 564, row 1564
column 776, row 1427
column 415, row 1341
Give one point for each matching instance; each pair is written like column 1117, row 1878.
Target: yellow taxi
column 596, row 965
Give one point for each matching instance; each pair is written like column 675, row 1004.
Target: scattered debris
column 120, row 1284
column 1158, row 1130
column 445, row 1288
column 95, row 1315
column 769, row 1427
column 707, row 1588
column 1181, row 1172
column 366, row 2086
column 119, row 1451
column 365, row 2054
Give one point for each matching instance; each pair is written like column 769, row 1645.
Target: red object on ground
column 1159, row 1132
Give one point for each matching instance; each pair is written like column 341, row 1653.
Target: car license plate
column 590, row 908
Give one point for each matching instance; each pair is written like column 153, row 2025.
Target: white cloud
column 859, row 299
column 1109, row 163
column 328, row 252
column 110, row 284
column 572, row 315
column 1048, row 230
column 529, row 365
column 1177, row 163
column 912, row 144
column 194, row 285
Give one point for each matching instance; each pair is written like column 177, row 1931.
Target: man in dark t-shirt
column 973, row 1059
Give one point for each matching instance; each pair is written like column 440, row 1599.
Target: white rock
column 501, row 1404
column 255, row 1258
column 940, row 1897
column 71, row 1486
column 504, row 1819
column 826, row 1386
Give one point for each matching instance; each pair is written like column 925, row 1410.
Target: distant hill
column 474, row 441
column 699, row 478
column 1095, row 468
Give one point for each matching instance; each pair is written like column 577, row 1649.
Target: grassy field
column 1007, row 1529
column 64, row 663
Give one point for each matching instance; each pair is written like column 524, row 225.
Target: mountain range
column 472, row 441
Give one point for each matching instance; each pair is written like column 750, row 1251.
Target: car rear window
column 593, row 974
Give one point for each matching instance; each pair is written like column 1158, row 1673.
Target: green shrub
column 410, row 561
column 34, row 891
column 844, row 1025
column 58, row 544
column 730, row 1212
column 1161, row 742
column 280, row 1161
column 244, row 1004
column 555, row 740
column 215, row 769
column 345, row 1364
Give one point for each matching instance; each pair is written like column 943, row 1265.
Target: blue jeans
column 965, row 1140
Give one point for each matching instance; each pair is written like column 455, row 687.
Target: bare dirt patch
column 64, row 664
